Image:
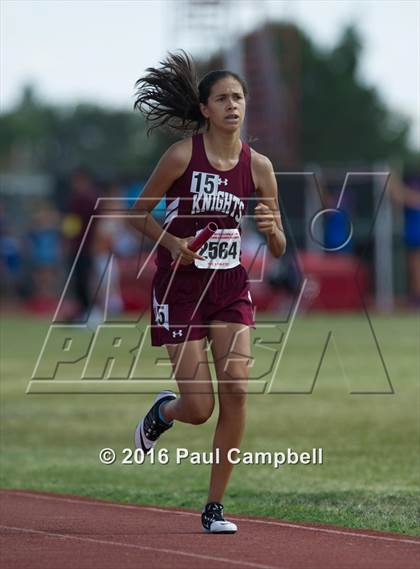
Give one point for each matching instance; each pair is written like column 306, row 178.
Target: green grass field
column 370, row 475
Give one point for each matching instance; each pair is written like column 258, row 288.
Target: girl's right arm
column 170, row 167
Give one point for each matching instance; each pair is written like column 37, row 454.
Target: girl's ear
column 204, row 111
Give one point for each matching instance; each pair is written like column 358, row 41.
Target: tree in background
column 314, row 99
column 344, row 120
column 330, row 114
column 38, row 137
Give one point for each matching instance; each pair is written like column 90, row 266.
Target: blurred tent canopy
column 307, row 104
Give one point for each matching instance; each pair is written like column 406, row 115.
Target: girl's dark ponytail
column 169, row 96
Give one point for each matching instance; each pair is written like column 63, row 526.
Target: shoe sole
column 219, row 532
column 225, row 527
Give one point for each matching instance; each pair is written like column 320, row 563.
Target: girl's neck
column 226, row 144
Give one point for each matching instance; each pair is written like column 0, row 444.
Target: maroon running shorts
column 181, row 310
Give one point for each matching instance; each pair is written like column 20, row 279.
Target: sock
column 160, row 415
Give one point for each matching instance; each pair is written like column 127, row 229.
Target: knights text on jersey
column 203, row 194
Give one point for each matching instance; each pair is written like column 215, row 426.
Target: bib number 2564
column 221, row 251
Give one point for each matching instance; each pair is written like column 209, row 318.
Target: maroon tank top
column 203, row 194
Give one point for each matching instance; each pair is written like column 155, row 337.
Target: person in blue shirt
column 407, row 195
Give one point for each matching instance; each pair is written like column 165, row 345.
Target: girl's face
column 225, row 108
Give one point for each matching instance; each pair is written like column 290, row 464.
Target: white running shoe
column 213, row 520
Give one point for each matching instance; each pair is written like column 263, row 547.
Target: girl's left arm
column 267, row 211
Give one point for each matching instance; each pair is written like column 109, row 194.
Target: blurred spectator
column 132, row 192
column 337, row 222
column 11, row 260
column 286, row 274
column 44, row 251
column 282, row 273
column 105, row 244
column 127, row 242
column 408, row 196
column 80, row 207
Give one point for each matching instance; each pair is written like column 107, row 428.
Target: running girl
column 207, row 177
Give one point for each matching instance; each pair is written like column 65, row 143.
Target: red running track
column 49, row 531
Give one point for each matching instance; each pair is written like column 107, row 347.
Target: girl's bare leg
column 191, row 370
column 231, row 353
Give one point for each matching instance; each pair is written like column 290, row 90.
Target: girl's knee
column 235, row 392
column 200, row 410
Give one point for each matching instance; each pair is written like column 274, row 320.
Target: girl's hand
column 265, row 219
column 180, row 252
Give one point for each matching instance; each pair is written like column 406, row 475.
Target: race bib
column 221, row 251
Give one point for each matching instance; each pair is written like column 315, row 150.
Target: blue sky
column 95, row 49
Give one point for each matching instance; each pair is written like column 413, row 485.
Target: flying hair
column 170, row 95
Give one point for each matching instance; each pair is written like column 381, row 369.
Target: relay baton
column 204, row 236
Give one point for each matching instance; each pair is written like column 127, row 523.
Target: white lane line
column 143, row 547
column 247, row 520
